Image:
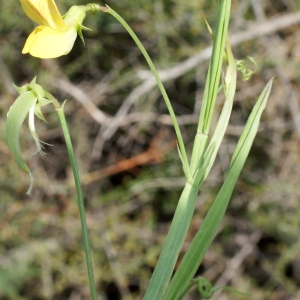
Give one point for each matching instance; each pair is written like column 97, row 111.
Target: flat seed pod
column 15, row 118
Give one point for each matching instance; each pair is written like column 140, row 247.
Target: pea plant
column 55, row 36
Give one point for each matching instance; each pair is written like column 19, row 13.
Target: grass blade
column 229, row 86
column 175, row 238
column 205, row 235
column 211, row 85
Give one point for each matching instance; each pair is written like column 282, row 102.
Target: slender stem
column 86, row 244
column 160, row 85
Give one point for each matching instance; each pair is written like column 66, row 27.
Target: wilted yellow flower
column 56, row 34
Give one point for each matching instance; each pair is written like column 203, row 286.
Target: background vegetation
column 127, row 155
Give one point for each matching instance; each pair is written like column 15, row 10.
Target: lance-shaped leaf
column 229, row 86
column 206, row 233
column 211, row 86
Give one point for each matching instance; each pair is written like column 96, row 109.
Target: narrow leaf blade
column 229, row 88
column 206, row 233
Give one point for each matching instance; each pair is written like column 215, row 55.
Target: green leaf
column 251, row 127
column 206, row 233
column 229, row 88
column 211, row 86
column 175, row 238
column 15, row 119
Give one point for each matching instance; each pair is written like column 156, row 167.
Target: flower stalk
column 86, row 243
column 32, row 98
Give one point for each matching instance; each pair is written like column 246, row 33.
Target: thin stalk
column 160, row 85
column 86, row 243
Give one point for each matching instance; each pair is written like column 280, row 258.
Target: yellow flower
column 56, row 34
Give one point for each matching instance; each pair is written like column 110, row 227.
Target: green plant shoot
column 54, row 37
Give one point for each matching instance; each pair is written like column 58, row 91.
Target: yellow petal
column 45, row 42
column 29, row 41
column 43, row 12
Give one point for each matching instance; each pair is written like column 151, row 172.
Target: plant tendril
column 206, row 290
column 247, row 73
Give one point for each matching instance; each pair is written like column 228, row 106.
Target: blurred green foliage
column 129, row 209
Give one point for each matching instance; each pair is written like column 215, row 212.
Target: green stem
column 160, row 85
column 86, row 244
